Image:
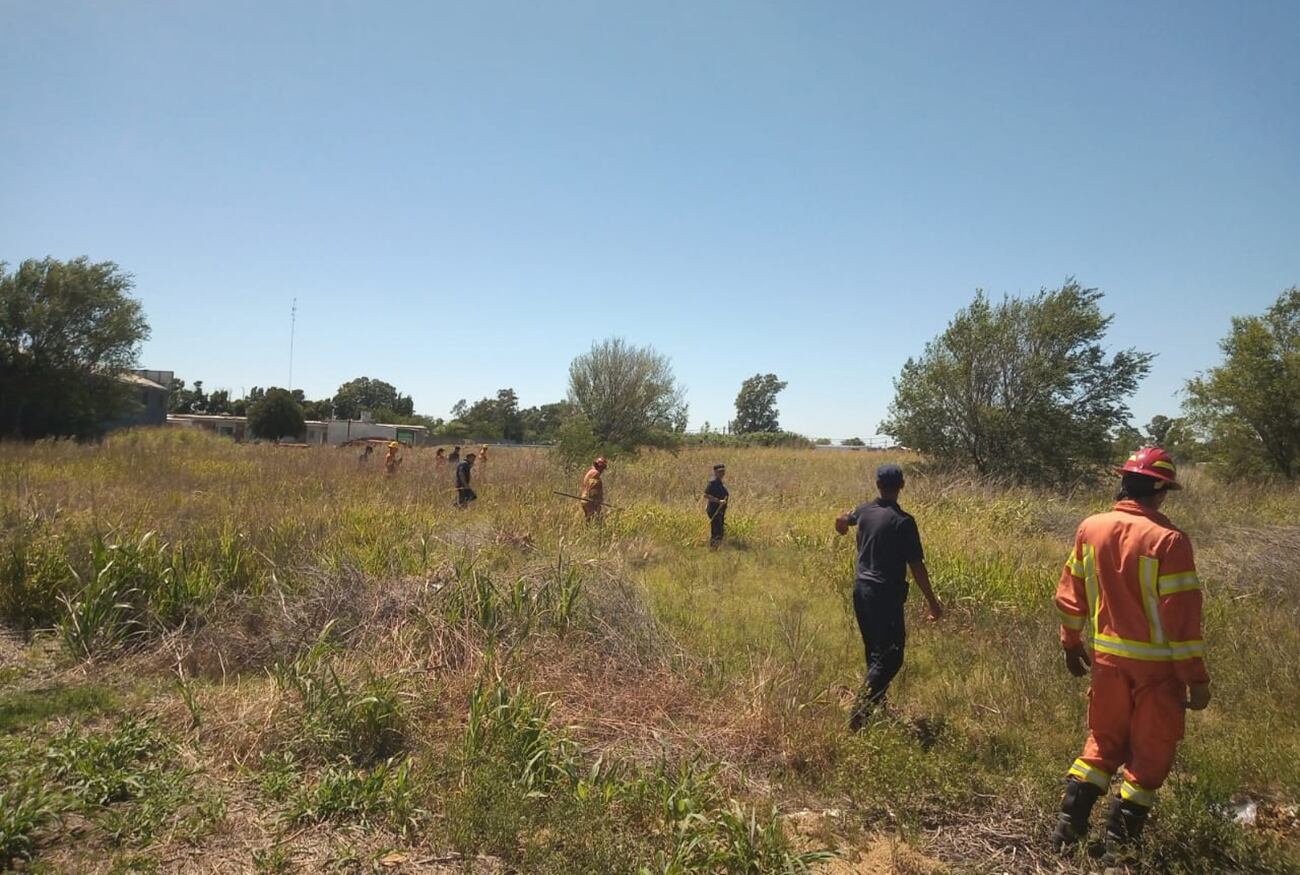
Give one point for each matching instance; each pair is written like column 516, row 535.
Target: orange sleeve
column 1072, row 595
column 1179, row 592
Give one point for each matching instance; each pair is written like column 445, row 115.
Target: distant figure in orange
column 482, row 457
column 593, row 490
column 440, row 458
column 392, row 461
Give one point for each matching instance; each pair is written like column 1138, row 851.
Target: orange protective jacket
column 593, row 489
column 1131, row 573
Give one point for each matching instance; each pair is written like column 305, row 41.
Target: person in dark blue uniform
column 464, row 495
column 716, row 495
column 888, row 545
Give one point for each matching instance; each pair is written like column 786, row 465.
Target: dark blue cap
column 889, row 476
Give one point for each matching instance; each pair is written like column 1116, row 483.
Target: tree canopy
column 68, row 330
column 756, row 404
column 381, row 399
column 627, row 394
column 276, row 415
column 1020, row 389
column 1249, row 406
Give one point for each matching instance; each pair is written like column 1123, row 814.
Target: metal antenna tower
column 293, row 323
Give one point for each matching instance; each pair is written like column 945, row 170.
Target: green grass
column 21, row 709
column 366, row 656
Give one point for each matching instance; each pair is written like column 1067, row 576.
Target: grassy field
column 223, row 658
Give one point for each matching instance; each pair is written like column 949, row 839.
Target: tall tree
column 1021, row 389
column 68, row 329
column 756, row 404
column 275, row 416
column 627, row 393
column 1249, row 406
column 365, row 394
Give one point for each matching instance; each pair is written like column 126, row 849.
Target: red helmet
column 1153, row 462
column 600, row 463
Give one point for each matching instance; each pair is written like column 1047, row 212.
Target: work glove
column 1198, row 697
column 1077, row 661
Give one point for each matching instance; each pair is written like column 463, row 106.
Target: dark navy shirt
column 715, row 490
column 887, row 540
column 462, row 474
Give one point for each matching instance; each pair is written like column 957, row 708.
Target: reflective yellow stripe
column 1131, row 649
column 1171, row 651
column 1085, row 772
column 1090, row 581
column 1074, row 565
column 1172, row 583
column 1070, row 621
column 1148, row 574
column 1135, row 793
column 1186, row 650
column 1163, row 464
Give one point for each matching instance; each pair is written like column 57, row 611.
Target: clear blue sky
column 462, row 196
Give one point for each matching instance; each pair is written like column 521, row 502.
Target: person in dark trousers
column 716, row 495
column 464, row 495
column 455, row 455
column 888, row 545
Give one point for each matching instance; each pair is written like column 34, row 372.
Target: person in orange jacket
column 1131, row 576
column 391, row 460
column 593, row 490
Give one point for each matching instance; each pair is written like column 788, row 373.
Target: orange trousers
column 1136, row 716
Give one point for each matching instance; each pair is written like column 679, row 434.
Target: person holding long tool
column 592, row 495
column 716, row 495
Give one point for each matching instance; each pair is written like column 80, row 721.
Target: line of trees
column 1021, row 389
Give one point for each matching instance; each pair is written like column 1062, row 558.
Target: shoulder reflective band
column 1168, row 584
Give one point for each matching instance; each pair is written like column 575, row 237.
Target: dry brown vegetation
column 312, row 668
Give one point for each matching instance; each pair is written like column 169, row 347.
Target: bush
column 362, row 725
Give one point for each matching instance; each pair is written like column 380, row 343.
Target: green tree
column 491, row 418
column 543, row 423
column 68, row 329
column 1021, row 389
column 365, row 394
column 317, row 410
column 219, row 402
column 853, row 442
column 756, row 404
column 275, row 416
column 628, row 395
column 182, row 400
column 1249, row 406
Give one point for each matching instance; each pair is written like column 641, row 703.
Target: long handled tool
column 580, row 498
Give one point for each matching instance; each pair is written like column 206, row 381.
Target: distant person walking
column 593, row 490
column 888, row 545
column 482, row 456
column 391, row 461
column 455, row 455
column 366, row 455
column 439, row 458
column 464, row 469
column 716, row 508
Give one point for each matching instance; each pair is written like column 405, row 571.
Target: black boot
column 1076, row 806
column 1124, row 830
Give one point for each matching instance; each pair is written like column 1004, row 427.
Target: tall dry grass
column 237, row 557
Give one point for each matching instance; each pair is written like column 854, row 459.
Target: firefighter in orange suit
column 593, row 490
column 1131, row 575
